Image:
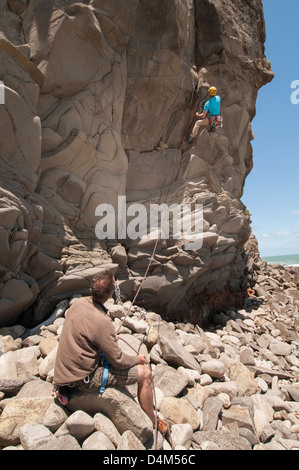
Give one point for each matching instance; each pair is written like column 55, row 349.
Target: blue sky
column 271, row 191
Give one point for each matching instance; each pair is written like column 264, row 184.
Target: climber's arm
column 201, row 115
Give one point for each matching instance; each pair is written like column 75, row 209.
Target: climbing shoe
column 63, row 395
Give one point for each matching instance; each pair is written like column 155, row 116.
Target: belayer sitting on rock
column 88, row 356
column 211, row 114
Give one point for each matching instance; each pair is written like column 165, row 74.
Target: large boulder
column 119, row 406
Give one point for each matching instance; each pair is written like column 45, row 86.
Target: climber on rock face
column 211, row 114
column 89, row 358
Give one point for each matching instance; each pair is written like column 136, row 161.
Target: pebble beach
column 232, row 385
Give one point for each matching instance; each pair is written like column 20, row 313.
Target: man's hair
column 102, row 286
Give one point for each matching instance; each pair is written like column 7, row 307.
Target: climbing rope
column 137, row 293
column 129, row 310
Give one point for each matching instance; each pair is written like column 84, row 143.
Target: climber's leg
column 197, row 125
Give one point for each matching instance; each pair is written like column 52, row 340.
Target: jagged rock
column 21, row 411
column 33, row 435
column 105, row 425
column 240, row 415
column 169, row 380
column 211, row 411
column 79, row 133
column 173, row 352
column 19, row 365
column 244, row 379
column 179, row 411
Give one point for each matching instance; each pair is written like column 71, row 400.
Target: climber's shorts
column 116, row 378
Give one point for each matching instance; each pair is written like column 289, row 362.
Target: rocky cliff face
column 99, row 99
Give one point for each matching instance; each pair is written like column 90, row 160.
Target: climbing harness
column 105, row 363
column 215, row 121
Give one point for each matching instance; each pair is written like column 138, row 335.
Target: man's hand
column 143, row 360
column 201, row 115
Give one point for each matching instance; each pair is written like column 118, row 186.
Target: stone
column 244, row 379
column 208, row 445
column 105, row 425
column 260, row 423
column 240, row 415
column 135, row 324
column 211, row 411
column 198, row 395
column 247, row 356
column 8, row 344
column 21, row 411
column 36, row 388
column 225, row 399
column 46, row 345
column 179, row 411
column 174, row 353
column 65, row 442
column 262, row 403
column 181, row 435
column 214, row 368
column 293, row 390
column 169, row 380
column 19, row 363
column 222, row 439
column 119, row 256
column 48, row 363
column 280, row 348
column 98, row 441
column 192, row 375
column 80, row 425
column 230, row 388
column 129, row 441
column 32, row 435
column 119, row 406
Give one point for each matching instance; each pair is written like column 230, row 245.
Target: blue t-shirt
column 213, row 106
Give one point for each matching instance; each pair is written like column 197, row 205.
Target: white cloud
column 283, row 233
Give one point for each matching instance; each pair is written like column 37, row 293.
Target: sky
column 271, row 192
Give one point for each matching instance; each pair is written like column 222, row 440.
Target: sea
column 284, row 260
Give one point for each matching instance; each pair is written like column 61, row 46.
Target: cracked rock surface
column 99, row 100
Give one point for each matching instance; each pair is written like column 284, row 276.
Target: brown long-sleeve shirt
column 87, row 331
